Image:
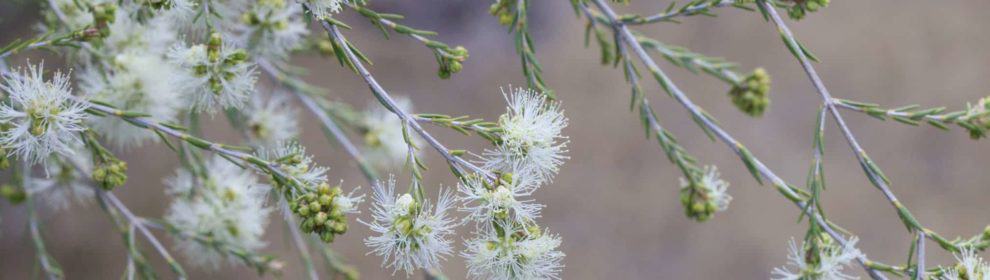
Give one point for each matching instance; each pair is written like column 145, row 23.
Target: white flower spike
column 531, row 143
column 411, row 234
column 42, row 117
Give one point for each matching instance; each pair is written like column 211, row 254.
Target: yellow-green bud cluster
column 451, row 62
column 110, row 174
column 319, row 214
column 220, row 62
column 103, row 15
column 752, row 94
column 803, row 7
column 977, row 119
column 13, row 194
column 697, row 201
column 251, row 17
column 503, row 10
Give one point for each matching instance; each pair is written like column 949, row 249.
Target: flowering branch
column 755, row 166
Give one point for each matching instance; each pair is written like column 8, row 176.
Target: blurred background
column 615, row 203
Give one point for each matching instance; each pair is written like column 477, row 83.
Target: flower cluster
column 224, row 202
column 819, row 258
column 384, row 141
column 42, row 117
column 508, row 242
column 218, row 75
column 970, row 266
column 752, row 94
column 705, row 196
column 411, row 231
column 323, row 211
column 531, row 144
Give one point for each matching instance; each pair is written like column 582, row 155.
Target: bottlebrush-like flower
column 226, row 204
column 514, row 254
column 323, row 9
column 531, row 143
column 702, row 198
column 140, row 83
column 829, row 261
column 385, row 145
column 296, row 163
column 507, row 198
column 127, row 34
column 271, row 122
column 268, row 28
column 217, row 75
column 41, row 118
column 412, row 233
column 970, row 266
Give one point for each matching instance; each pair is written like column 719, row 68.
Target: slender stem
column 878, row 180
column 919, row 270
column 456, row 162
column 139, row 224
column 630, row 40
column 48, row 264
column 685, row 11
column 298, row 240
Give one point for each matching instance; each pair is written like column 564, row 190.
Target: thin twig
column 684, row 11
column 298, row 240
column 139, row 224
column 919, row 271
column 456, row 162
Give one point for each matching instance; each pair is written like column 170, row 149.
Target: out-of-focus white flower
column 227, row 205
column 970, row 266
column 531, row 143
column 140, row 83
column 76, row 13
column 412, row 234
column 127, row 34
column 323, row 9
column 268, row 28
column 66, row 181
column 296, row 163
column 271, row 122
column 385, row 146
column 831, row 260
column 217, row 75
column 41, row 118
column 530, row 255
column 503, row 199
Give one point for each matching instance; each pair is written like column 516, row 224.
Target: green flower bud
column 13, row 194
column 320, row 218
column 800, row 8
column 751, row 95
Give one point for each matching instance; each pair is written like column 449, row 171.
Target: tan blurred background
column 615, row 202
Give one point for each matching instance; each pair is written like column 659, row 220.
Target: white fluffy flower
column 412, row 234
column 385, row 145
column 140, row 83
column 127, row 34
column 487, row 202
column 268, row 28
column 832, row 259
column 971, row 266
column 323, row 9
column 531, row 143
column 41, row 118
column 271, row 121
column 227, row 205
column 508, row 256
column 216, row 78
column 66, row 182
column 716, row 189
column 296, row 163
